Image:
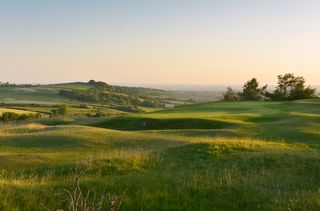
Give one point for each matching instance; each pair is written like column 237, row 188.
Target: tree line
column 289, row 87
column 7, row 84
column 12, row 116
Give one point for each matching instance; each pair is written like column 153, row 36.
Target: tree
column 230, row 95
column 251, row 90
column 92, row 82
column 291, row 87
column 100, row 85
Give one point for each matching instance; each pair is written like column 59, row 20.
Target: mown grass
column 265, row 156
column 289, row 121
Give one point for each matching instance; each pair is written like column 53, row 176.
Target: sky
column 159, row 41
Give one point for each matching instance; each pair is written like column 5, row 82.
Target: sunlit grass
column 269, row 160
column 22, row 128
column 304, row 114
column 3, row 110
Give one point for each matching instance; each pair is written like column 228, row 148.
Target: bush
column 12, row 116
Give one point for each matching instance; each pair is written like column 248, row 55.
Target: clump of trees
column 127, row 108
column 12, row 116
column 290, row 87
column 81, row 95
column 7, row 84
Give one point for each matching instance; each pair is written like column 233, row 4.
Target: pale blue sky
column 159, row 41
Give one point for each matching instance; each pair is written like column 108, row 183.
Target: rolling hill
column 49, row 94
column 209, row 156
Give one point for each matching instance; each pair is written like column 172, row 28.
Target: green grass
column 211, row 156
column 287, row 121
column 74, row 86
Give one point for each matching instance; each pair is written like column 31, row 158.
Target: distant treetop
column 290, row 87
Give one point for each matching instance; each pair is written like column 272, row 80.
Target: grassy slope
column 39, row 95
column 289, row 121
column 42, row 98
column 46, row 96
column 247, row 156
column 49, row 94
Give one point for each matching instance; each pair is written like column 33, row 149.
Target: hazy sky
column 159, row 41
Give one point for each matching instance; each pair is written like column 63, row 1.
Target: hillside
column 288, row 121
column 210, row 156
column 43, row 98
column 50, row 93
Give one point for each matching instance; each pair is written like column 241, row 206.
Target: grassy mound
column 181, row 172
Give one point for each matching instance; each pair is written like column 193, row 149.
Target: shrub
column 12, row 116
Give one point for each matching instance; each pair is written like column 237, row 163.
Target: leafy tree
column 251, row 90
column 92, row 82
column 291, row 87
column 230, row 95
column 100, row 85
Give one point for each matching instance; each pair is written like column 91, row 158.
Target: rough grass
column 268, row 159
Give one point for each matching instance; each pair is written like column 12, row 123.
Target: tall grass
column 7, row 129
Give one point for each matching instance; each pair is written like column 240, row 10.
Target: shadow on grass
column 135, row 123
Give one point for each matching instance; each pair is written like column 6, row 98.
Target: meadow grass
column 18, row 111
column 265, row 156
